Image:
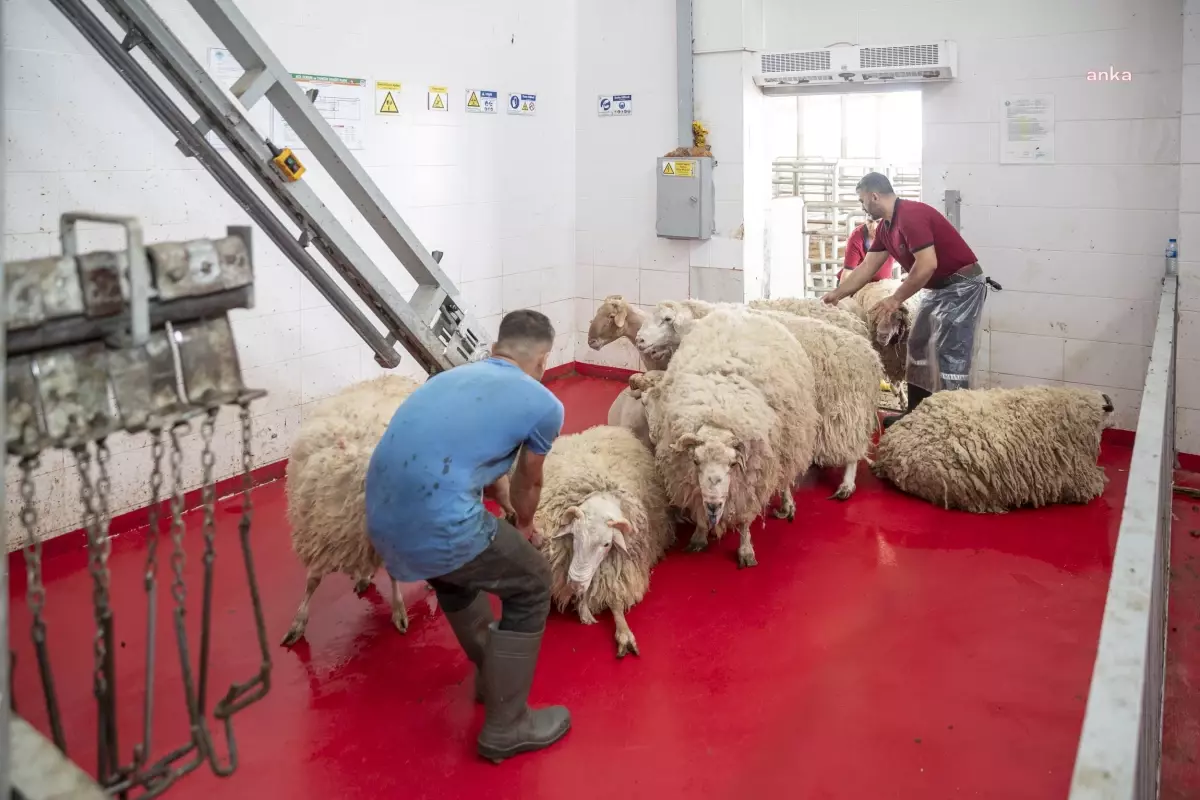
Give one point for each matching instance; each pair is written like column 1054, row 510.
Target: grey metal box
column 685, row 198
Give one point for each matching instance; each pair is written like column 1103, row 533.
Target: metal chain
column 156, row 482
column 36, row 598
column 208, row 494
column 96, row 557
column 178, row 589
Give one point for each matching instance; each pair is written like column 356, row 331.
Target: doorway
column 820, row 146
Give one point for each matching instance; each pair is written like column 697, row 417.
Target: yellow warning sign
column 679, row 169
column 524, row 106
column 387, row 93
column 473, row 101
column 437, row 98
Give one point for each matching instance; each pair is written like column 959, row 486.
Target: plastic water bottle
column 1172, row 255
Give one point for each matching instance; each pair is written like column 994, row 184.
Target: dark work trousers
column 513, row 570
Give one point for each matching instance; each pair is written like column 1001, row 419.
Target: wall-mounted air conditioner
column 853, row 64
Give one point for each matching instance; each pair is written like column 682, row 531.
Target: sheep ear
column 573, row 513
column 565, row 530
column 618, row 317
column 686, row 442
column 621, row 524
column 619, row 541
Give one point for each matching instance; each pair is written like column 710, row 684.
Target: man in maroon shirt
column 934, row 257
column 857, row 245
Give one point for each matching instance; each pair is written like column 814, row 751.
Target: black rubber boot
column 470, row 627
column 512, row 727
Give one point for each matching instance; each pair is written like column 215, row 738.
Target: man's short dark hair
column 876, row 183
column 525, row 327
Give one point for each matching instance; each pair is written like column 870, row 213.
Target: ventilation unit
column 851, row 64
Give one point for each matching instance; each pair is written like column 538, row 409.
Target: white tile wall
column 497, row 194
column 1078, row 245
column 1187, row 377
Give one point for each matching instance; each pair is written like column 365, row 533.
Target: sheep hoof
column 696, row 546
column 293, row 635
column 784, row 513
column 842, row 493
column 400, row 620
column 362, row 586
column 627, row 645
column 746, row 559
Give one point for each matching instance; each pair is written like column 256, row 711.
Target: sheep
column 734, row 421
column 991, row 450
column 839, row 317
column 846, row 373
column 326, row 475
column 617, row 319
column 601, row 488
column 326, row 482
column 888, row 333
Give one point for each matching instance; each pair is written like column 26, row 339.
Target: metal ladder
column 433, row 326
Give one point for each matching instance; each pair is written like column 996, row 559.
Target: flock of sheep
column 736, row 403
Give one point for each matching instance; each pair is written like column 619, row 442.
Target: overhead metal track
column 433, row 327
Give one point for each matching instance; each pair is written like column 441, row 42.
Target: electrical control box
column 685, row 198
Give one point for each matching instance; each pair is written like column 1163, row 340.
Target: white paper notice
column 341, row 101
column 225, row 71
column 1027, row 129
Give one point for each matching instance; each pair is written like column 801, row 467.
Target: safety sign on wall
column 481, row 101
column 522, row 103
column 386, row 95
column 679, row 169
column 438, row 98
column 614, row 105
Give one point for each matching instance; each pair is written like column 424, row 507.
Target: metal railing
column 1121, row 744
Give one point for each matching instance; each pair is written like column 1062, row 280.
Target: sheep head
column 609, row 323
column 716, row 452
column 595, row 526
column 660, row 336
column 891, row 328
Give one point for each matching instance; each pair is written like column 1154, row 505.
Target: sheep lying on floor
column 887, row 332
column 734, row 422
column 604, row 511
column 326, row 490
column 846, row 374
column 989, row 451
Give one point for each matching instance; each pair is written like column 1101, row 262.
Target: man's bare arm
column 924, row 265
column 861, row 275
column 526, row 488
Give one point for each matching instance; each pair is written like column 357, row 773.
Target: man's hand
column 888, row 306
column 530, row 532
column 834, row 297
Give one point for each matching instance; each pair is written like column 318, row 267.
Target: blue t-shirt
column 449, row 439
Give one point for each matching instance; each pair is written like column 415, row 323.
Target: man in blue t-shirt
column 451, row 441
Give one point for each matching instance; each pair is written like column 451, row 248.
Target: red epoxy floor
column 1181, row 711
column 882, row 649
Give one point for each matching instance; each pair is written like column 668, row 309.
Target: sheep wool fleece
column 992, row 450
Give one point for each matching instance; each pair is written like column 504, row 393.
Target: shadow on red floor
column 882, row 649
column 1181, row 707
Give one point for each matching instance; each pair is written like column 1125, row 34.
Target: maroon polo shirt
column 856, row 251
column 915, row 226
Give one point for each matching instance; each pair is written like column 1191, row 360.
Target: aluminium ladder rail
column 433, row 327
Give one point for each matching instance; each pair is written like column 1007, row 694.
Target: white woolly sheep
column 604, row 512
column 616, row 318
column 992, row 450
column 326, row 489
column 838, row 317
column 846, row 373
column 887, row 332
column 326, row 484
column 734, row 421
